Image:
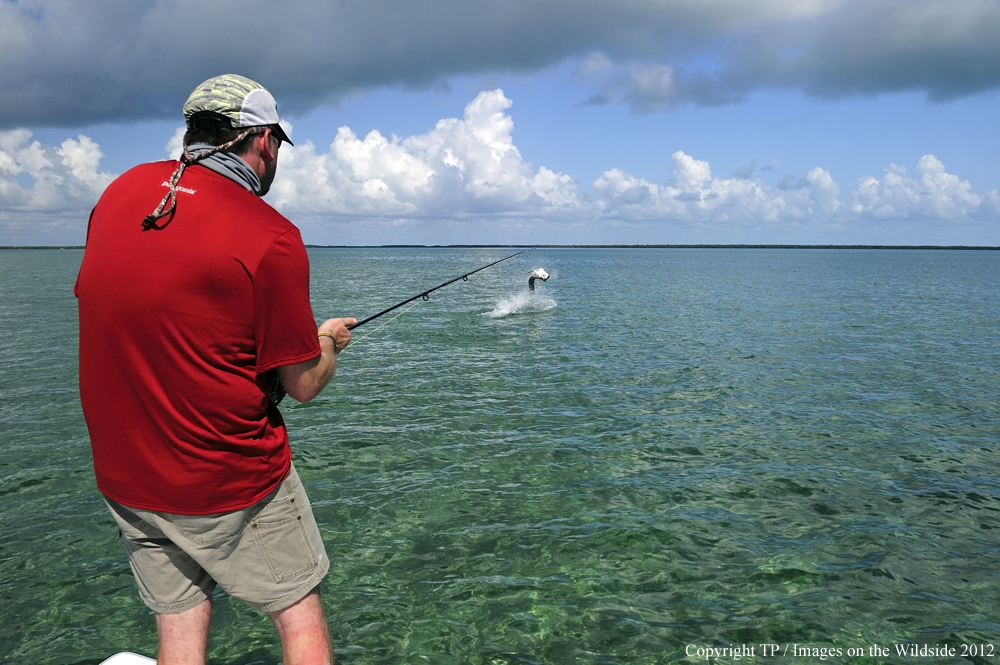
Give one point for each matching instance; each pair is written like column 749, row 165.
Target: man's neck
column 229, row 165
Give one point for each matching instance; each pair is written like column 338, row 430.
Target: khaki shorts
column 269, row 555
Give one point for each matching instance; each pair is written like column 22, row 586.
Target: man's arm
column 303, row 381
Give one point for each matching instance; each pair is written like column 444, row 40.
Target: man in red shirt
column 194, row 301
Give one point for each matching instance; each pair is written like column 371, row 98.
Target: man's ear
column 266, row 153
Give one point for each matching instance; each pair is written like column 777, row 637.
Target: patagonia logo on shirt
column 179, row 188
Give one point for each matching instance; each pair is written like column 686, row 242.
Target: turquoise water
column 662, row 450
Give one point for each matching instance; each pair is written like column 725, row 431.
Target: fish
column 537, row 273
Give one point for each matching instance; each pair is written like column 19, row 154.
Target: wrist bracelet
column 332, row 339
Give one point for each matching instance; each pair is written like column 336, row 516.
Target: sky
column 523, row 122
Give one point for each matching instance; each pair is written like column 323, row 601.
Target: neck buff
column 230, row 166
column 227, row 164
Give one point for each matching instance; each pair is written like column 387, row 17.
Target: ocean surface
column 659, row 451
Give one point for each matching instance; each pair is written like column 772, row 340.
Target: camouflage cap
column 244, row 103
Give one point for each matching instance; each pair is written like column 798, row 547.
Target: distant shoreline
column 951, row 247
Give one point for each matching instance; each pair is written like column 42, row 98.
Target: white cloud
column 46, row 192
column 696, row 196
column 466, row 179
column 45, row 179
column 933, row 194
column 175, row 146
column 461, row 168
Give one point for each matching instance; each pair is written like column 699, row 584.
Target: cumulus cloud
column 463, row 167
column 694, row 195
column 469, row 171
column 46, row 179
column 46, row 189
column 932, row 193
column 63, row 63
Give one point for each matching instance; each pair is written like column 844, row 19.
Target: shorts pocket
column 281, row 537
column 207, row 530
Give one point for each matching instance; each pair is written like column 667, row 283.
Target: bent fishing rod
column 426, row 294
column 278, row 392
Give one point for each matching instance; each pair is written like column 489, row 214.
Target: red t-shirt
column 178, row 331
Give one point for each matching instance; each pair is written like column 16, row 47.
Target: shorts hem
column 182, row 606
column 322, row 568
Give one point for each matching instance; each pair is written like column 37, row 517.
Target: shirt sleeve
column 284, row 327
column 76, row 284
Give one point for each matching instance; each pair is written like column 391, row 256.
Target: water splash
column 523, row 301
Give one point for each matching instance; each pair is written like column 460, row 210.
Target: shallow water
column 656, row 449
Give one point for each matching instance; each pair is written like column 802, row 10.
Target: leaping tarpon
column 537, row 273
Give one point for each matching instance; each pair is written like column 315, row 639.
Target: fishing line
column 377, row 328
column 278, row 392
column 426, row 294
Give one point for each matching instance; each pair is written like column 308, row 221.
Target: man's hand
column 304, row 381
column 338, row 328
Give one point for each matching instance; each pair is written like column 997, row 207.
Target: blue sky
column 778, row 121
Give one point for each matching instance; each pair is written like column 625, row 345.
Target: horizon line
column 600, row 246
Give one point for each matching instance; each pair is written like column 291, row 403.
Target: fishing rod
column 426, row 294
column 278, row 392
